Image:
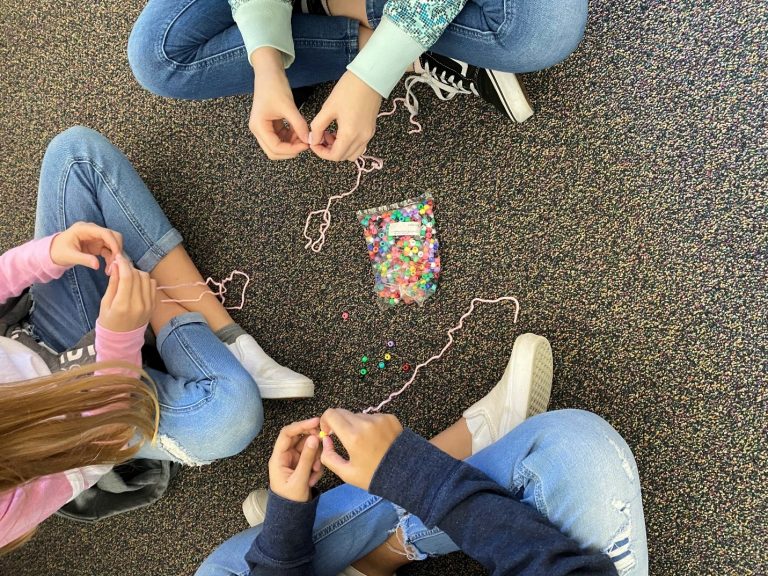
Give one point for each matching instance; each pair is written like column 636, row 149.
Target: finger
column 82, row 259
column 146, row 291
column 319, row 126
column 314, row 478
column 111, row 291
column 298, row 123
column 271, row 141
column 125, row 286
column 289, row 434
column 111, row 239
column 337, row 151
column 338, row 421
column 307, row 458
column 332, row 460
column 357, row 152
column 152, row 295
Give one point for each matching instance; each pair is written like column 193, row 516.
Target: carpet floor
column 629, row 216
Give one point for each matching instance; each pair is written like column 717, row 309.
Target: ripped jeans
column 210, row 407
column 570, row 465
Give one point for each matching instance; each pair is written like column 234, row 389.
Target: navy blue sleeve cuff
column 286, row 535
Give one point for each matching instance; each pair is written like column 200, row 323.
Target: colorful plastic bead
column 345, row 315
column 364, row 359
column 387, row 356
column 382, row 365
column 406, row 367
column 391, row 344
column 363, row 371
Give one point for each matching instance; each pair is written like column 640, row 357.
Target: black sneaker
column 449, row 77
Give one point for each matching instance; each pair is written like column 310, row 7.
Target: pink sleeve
column 125, row 346
column 25, row 507
column 25, row 265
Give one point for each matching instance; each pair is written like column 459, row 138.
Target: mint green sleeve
column 408, row 28
column 265, row 23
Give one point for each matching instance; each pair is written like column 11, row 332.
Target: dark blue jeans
column 192, row 49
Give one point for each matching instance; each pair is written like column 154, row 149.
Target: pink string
column 458, row 326
column 316, row 245
column 413, row 110
column 221, row 290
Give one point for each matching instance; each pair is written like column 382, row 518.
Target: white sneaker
column 255, row 507
column 274, row 381
column 255, row 510
column 522, row 392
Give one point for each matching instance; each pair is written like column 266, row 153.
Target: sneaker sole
column 255, row 507
column 530, row 367
column 285, row 391
column 512, row 95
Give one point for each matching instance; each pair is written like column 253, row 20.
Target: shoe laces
column 445, row 85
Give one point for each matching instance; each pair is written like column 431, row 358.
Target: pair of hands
column 283, row 133
column 131, row 294
column 298, row 460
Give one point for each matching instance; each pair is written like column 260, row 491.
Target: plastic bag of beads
column 403, row 248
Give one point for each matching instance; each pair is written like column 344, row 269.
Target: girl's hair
column 73, row 419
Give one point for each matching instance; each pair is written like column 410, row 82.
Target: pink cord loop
column 219, row 287
column 316, row 244
column 448, row 344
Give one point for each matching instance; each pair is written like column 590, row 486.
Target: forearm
column 25, row 265
column 483, row 518
column 284, row 547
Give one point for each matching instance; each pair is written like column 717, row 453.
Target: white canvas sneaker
column 522, row 392
column 274, row 381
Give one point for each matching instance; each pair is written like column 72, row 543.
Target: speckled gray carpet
column 629, row 216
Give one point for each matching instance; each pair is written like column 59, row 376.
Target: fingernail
column 310, row 138
column 312, row 442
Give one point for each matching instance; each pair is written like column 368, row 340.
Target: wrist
column 52, row 251
column 267, row 60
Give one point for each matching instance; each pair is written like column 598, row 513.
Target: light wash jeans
column 192, row 49
column 570, row 465
column 210, row 406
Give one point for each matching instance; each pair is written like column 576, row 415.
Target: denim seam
column 112, row 190
column 230, row 54
column 331, row 528
column 353, row 41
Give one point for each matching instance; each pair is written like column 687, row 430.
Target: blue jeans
column 570, row 465
column 209, row 405
column 192, row 49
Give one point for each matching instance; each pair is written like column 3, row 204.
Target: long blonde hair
column 73, row 419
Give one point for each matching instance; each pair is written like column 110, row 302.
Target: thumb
column 298, row 123
column 111, row 291
column 307, row 458
column 320, row 124
column 332, row 460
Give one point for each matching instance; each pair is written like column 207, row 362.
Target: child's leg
column 210, row 406
column 194, row 50
column 570, row 465
column 574, row 469
column 85, row 178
